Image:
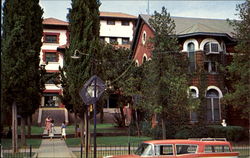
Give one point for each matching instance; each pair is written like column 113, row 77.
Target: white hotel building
column 115, row 28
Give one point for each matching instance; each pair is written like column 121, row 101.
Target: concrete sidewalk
column 54, row 148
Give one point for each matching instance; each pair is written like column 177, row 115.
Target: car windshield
column 144, row 150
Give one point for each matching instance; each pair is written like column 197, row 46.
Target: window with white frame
column 113, row 40
column 213, row 105
column 125, row 40
column 193, row 114
column 50, row 99
column 191, row 56
column 210, row 66
column 50, row 37
column 125, row 23
column 51, row 57
column 110, row 22
column 211, row 48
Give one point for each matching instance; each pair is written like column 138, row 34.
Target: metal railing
column 24, row 152
column 102, row 150
column 244, row 150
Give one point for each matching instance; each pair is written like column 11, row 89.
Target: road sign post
column 90, row 94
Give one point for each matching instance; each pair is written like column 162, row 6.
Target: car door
column 164, row 151
column 186, row 150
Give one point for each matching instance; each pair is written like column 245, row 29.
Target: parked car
column 178, row 148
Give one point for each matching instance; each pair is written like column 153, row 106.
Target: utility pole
column 148, row 8
column 14, row 127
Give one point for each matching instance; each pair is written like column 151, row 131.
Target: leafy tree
column 22, row 32
column 239, row 69
column 166, row 83
column 113, row 70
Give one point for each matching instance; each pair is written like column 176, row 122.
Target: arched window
column 211, row 48
column 191, row 56
column 213, row 105
column 193, row 93
column 144, row 37
column 145, row 58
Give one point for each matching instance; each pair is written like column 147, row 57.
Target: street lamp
column 76, row 54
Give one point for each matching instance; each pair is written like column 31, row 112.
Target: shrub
column 232, row 133
column 192, row 131
column 118, row 120
column 183, row 134
column 147, row 130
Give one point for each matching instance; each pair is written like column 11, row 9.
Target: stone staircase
column 57, row 114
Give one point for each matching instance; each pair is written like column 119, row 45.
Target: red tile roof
column 53, row 21
column 117, row 15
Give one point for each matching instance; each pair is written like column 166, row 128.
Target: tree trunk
column 123, row 116
column 163, row 128
column 76, row 125
column 23, row 140
column 82, row 127
column 87, row 133
column 137, row 123
column 29, row 126
column 14, row 127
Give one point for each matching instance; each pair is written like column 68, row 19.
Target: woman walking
column 48, row 125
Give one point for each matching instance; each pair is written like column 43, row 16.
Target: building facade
column 115, row 28
column 55, row 34
column 207, row 43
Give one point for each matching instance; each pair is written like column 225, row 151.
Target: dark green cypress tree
column 84, row 36
column 21, row 44
column 35, row 72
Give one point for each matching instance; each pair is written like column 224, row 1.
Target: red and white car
column 178, row 148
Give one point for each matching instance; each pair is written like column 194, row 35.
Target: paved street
column 54, row 148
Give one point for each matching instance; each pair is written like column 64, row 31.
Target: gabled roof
column 116, row 15
column 186, row 25
column 54, row 21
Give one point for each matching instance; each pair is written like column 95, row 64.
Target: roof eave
column 206, row 34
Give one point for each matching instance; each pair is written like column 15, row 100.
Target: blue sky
column 201, row 9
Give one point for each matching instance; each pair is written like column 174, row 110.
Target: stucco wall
column 117, row 30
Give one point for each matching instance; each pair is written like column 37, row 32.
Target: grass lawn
column 35, row 143
column 100, row 128
column 35, row 130
column 109, row 141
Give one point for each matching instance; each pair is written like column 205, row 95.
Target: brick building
column 207, row 43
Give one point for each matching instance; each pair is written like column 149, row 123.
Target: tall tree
column 20, row 58
column 84, row 36
column 166, row 83
column 239, row 69
column 35, row 85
